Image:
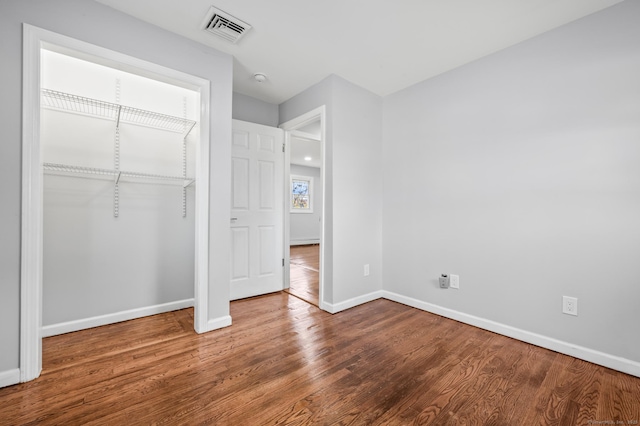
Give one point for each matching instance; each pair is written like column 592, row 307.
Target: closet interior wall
column 111, row 252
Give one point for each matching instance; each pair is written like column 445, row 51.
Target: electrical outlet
column 366, row 270
column 570, row 305
column 454, row 281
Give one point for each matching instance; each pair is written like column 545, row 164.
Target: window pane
column 300, row 201
column 300, row 187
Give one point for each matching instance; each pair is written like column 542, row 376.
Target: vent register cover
column 224, row 25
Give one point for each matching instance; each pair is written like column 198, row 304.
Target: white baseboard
column 624, row 365
column 216, row 323
column 81, row 324
column 9, row 377
column 304, row 242
column 610, row 361
column 350, row 303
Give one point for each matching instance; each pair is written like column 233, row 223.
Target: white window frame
column 308, row 179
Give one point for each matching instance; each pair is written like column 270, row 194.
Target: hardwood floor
column 305, row 275
column 286, row 362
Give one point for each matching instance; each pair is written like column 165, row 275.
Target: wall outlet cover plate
column 569, row 305
column 454, row 281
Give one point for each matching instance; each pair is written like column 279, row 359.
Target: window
column 301, row 193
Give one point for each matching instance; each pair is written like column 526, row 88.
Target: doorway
column 304, row 229
column 304, row 265
column 305, row 167
column 35, row 41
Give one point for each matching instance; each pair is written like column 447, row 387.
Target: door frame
column 289, row 127
column 35, row 39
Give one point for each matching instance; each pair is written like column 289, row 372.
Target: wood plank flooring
column 285, row 362
column 305, row 275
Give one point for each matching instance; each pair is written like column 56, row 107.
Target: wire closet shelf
column 116, row 174
column 119, row 113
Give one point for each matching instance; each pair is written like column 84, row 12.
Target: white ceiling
column 305, row 143
column 381, row 45
column 301, row 148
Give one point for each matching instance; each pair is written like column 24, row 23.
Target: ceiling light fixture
column 307, row 158
column 259, row 77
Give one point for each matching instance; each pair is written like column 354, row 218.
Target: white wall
column 97, row 24
column 96, row 264
column 247, row 108
column 519, row 172
column 353, row 219
column 305, row 227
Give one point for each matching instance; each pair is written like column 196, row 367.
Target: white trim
column 286, row 218
column 31, row 215
column 611, row 361
column 606, row 360
column 350, row 303
column 97, row 321
column 217, row 323
column 306, row 136
column 34, row 39
column 304, row 120
column 288, row 127
column 9, row 377
column 201, row 285
column 304, row 242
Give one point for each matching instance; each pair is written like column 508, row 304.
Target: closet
column 118, row 153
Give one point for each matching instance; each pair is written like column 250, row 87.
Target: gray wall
column 247, row 108
column 353, row 217
column 306, row 226
column 95, row 264
column 520, row 173
column 315, row 96
column 94, row 23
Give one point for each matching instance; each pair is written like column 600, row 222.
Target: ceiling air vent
column 224, row 25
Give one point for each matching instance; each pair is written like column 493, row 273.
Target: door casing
column 289, row 127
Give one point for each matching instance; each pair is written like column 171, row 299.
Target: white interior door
column 257, row 209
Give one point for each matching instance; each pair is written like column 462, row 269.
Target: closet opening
column 117, row 153
column 115, row 190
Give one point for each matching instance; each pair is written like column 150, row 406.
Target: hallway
column 305, row 275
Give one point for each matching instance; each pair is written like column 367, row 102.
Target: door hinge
column 283, row 263
column 282, row 147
